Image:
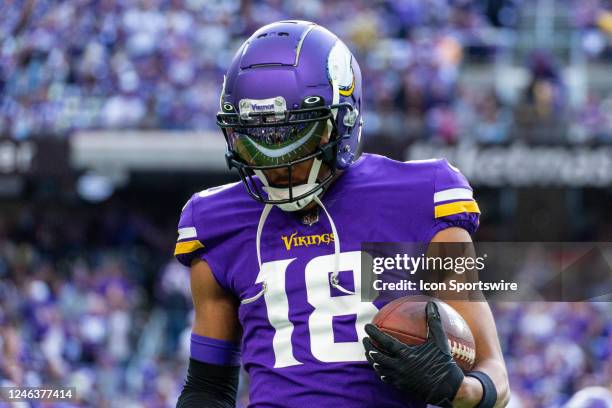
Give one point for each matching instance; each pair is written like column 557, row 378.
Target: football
column 405, row 319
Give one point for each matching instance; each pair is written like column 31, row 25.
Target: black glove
column 427, row 371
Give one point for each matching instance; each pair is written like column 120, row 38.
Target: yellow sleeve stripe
column 456, row 208
column 186, row 247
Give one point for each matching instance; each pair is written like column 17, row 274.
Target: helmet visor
column 283, row 141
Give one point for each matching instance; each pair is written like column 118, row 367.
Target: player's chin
column 280, row 178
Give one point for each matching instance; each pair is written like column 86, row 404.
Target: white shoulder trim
column 186, row 233
column 453, row 194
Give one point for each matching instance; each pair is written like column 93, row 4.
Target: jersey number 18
column 318, row 292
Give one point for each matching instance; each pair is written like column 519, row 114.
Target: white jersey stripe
column 453, row 194
column 187, row 232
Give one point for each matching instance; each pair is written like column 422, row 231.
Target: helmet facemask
column 281, row 139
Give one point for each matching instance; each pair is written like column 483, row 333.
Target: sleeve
column 453, row 201
column 200, row 236
column 209, row 385
column 188, row 246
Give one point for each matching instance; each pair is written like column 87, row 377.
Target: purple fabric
column 214, row 351
column 448, row 177
column 344, row 328
column 375, row 200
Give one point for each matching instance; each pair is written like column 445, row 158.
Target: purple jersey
column 301, row 340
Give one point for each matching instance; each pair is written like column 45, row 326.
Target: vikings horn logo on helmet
column 339, row 69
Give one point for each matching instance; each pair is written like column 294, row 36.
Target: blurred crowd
column 159, row 64
column 99, row 304
column 553, row 350
column 594, row 19
column 75, row 299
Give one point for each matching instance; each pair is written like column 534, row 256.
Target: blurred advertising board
column 521, row 165
column 34, row 157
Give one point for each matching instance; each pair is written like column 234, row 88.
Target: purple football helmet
column 292, row 94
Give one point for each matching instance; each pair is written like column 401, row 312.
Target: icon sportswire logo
column 294, row 240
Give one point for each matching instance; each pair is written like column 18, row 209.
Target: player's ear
column 434, row 326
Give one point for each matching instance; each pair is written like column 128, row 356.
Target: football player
column 275, row 269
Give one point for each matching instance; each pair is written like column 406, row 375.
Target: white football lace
column 334, row 276
column 260, row 225
column 264, row 288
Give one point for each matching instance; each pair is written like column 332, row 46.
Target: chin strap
column 260, row 225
